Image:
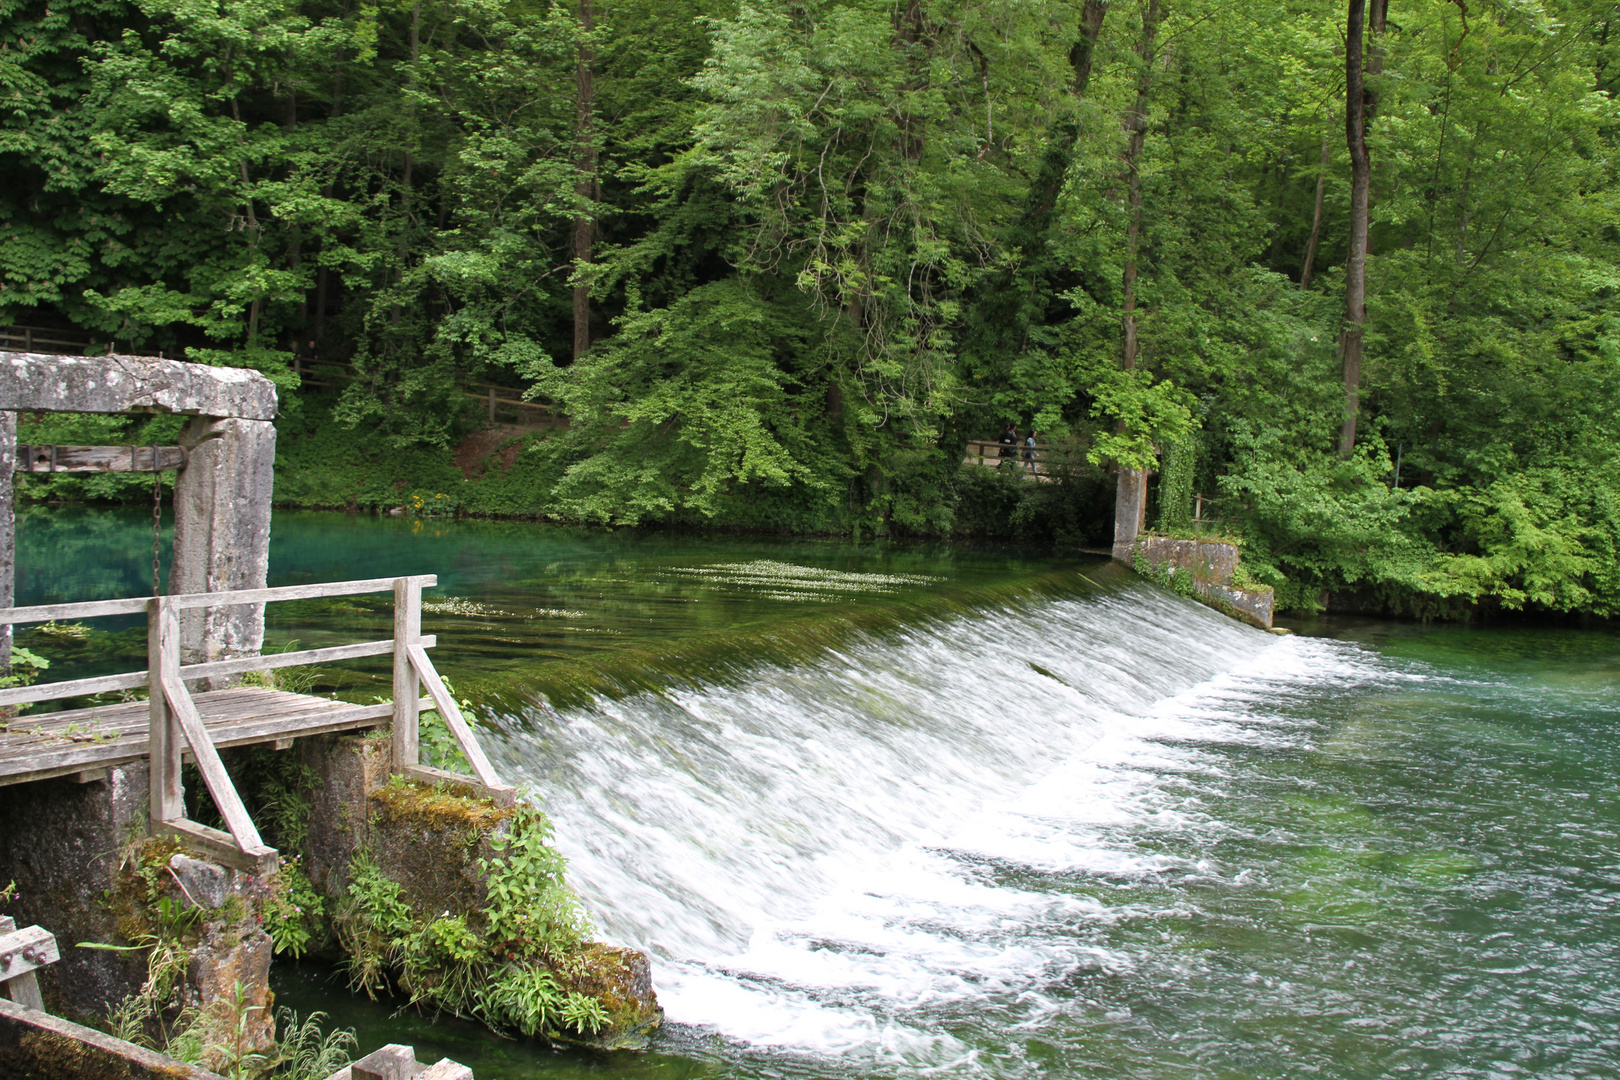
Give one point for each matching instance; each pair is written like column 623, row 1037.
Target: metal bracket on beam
column 22, row 952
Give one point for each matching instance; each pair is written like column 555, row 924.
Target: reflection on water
column 1025, row 819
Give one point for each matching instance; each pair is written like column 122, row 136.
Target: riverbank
column 1340, row 560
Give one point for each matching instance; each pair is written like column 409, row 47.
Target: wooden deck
column 175, row 723
column 81, row 742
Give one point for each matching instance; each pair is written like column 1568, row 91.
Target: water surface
column 904, row 812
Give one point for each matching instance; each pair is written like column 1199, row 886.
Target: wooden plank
column 268, row 730
column 24, row 990
column 23, row 987
column 295, row 592
column 503, row 795
column 270, row 661
column 88, row 609
column 220, row 847
column 163, row 662
column 25, row 950
column 98, row 459
column 226, row 800
column 451, row 715
column 405, row 739
column 76, row 758
column 56, row 691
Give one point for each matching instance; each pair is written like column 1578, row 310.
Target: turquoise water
column 994, row 814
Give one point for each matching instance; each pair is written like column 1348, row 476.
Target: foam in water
column 826, row 858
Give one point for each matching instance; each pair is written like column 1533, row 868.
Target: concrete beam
column 222, row 534
column 122, row 384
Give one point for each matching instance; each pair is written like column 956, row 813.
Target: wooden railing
column 990, row 454
column 496, row 398
column 35, row 338
column 175, row 724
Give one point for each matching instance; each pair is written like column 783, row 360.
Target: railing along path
column 173, row 722
column 991, row 455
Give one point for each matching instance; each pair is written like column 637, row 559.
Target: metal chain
column 157, row 519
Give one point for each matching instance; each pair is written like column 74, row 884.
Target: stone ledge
column 1211, row 564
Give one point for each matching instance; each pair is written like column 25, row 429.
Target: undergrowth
column 163, row 1014
column 498, row 965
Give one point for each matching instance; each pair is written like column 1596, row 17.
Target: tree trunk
column 1130, row 495
column 321, row 275
column 1136, row 128
column 403, row 250
column 1060, row 148
column 1316, row 218
column 586, row 186
column 1360, row 103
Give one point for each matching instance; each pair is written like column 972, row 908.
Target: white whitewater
column 815, row 857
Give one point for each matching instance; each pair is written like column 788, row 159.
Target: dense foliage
column 826, row 243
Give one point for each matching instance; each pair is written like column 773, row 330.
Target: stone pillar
column 63, row 843
column 8, row 529
column 222, row 532
column 1130, row 510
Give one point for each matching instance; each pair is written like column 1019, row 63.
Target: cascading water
column 810, row 852
column 907, row 811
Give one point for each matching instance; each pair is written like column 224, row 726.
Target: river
column 916, row 811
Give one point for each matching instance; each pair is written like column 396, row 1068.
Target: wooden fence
column 991, row 455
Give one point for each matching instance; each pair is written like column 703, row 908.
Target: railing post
column 163, row 659
column 407, row 684
column 492, row 404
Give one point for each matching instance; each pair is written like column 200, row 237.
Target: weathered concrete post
column 222, row 532
column 8, row 529
column 222, row 498
column 1130, row 510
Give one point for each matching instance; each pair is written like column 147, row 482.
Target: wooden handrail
column 91, row 609
column 237, row 597
column 988, row 444
column 175, row 724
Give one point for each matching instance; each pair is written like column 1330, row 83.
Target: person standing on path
column 1009, row 443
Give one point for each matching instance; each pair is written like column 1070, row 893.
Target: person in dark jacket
column 1009, row 442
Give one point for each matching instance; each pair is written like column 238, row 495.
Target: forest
column 1343, row 273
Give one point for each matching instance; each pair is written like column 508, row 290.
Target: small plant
column 293, row 910
column 1178, row 579
column 372, row 925
column 9, row 893
column 584, row 1013
column 445, row 961
column 305, row 1052
column 531, row 912
column 25, row 668
column 526, row 999
column 232, row 1058
column 439, row 747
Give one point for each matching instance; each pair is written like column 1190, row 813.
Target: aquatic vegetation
column 457, row 605
column 790, row 581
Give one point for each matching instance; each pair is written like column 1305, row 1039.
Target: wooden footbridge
column 174, row 724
